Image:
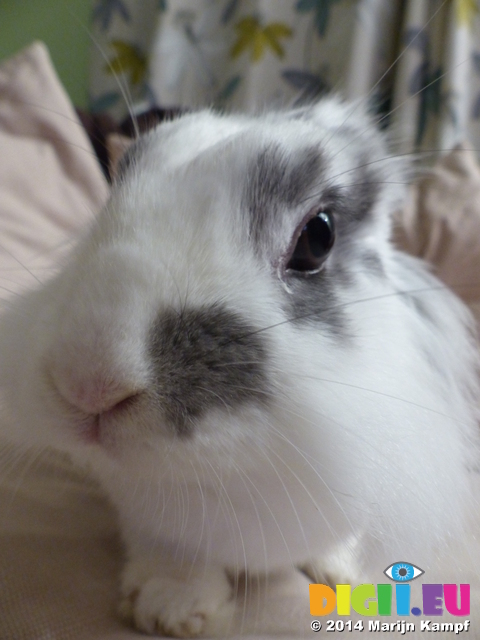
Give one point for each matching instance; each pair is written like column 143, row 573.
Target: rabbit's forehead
column 271, row 170
column 208, row 135
column 182, row 141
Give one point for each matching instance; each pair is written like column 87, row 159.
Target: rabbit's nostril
column 121, row 405
column 95, row 428
column 95, row 394
column 102, row 398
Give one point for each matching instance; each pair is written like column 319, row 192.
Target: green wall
column 62, row 25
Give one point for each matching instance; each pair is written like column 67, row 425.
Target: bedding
column 59, row 551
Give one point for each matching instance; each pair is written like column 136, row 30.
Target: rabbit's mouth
column 99, row 427
column 91, row 434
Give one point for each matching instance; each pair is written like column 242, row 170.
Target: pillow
column 50, row 181
column 441, row 222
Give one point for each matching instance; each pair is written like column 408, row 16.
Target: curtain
column 415, row 63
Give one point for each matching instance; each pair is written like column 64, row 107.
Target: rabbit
column 259, row 380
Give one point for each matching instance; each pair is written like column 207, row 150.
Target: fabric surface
column 60, row 555
column 418, row 60
column 50, row 181
column 440, row 222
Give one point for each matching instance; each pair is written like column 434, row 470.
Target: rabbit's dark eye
column 314, row 244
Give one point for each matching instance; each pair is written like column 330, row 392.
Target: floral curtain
column 416, row 62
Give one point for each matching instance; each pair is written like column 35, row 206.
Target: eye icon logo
column 403, row 572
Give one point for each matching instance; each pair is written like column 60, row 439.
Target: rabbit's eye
column 314, row 244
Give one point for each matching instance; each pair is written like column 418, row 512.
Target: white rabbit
column 255, row 375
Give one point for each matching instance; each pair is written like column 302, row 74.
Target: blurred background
column 415, row 62
column 63, row 25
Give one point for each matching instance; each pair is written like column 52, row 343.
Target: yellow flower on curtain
column 466, row 10
column 128, row 60
column 251, row 35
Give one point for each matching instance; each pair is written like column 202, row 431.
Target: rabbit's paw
column 182, row 607
column 338, row 567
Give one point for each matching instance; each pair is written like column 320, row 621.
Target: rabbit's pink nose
column 96, row 395
column 104, row 398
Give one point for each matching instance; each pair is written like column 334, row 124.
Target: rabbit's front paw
column 183, row 606
column 338, row 567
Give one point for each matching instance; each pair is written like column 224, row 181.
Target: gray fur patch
column 274, row 179
column 355, row 203
column 365, row 192
column 313, row 301
column 277, row 182
column 206, row 358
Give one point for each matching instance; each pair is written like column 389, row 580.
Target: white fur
column 365, row 440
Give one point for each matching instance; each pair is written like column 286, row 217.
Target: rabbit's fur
column 244, row 418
